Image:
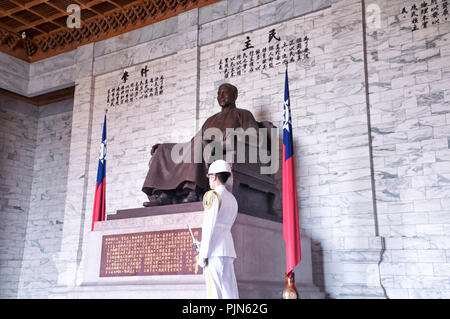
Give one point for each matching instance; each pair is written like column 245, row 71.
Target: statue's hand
column 154, row 147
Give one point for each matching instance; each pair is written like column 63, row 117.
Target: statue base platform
column 183, row 208
column 259, row 267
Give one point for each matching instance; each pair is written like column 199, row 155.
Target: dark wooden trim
column 43, row 99
column 44, row 44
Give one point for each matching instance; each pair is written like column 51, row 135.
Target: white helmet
column 219, row 166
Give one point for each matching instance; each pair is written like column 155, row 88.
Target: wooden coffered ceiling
column 44, row 23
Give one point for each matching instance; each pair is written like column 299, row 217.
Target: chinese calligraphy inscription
column 426, row 13
column 149, row 253
column 143, row 88
column 277, row 51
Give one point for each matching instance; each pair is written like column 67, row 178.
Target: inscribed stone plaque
column 168, row 252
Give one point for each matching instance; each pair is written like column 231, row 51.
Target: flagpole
column 289, row 291
column 99, row 208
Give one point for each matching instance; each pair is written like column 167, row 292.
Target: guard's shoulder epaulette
column 208, row 199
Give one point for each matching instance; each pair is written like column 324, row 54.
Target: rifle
column 194, row 241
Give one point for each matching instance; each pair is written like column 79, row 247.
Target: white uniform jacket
column 221, row 210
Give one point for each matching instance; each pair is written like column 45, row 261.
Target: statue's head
column 227, row 95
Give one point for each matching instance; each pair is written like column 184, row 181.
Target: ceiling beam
column 43, row 99
column 101, row 25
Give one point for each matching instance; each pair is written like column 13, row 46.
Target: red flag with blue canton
column 291, row 231
column 100, row 185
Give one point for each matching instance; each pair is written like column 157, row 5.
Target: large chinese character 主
column 248, row 44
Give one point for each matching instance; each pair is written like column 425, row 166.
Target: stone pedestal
column 260, row 263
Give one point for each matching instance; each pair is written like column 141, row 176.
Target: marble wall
column 18, row 129
column 409, row 82
column 33, row 173
column 48, row 194
column 14, row 74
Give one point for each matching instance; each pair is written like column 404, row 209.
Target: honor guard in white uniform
column 217, row 252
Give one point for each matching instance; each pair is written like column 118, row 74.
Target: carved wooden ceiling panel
column 33, row 30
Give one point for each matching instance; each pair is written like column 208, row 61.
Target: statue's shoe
column 158, row 200
column 191, row 197
column 151, row 203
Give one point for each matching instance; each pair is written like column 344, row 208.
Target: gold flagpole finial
column 106, row 110
column 286, row 63
column 289, row 291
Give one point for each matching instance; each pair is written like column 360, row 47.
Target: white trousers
column 220, row 278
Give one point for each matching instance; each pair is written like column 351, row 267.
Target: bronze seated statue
column 173, row 182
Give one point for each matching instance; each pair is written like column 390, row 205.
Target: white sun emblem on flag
column 102, row 153
column 286, row 115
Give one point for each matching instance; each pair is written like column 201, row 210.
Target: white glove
column 202, row 262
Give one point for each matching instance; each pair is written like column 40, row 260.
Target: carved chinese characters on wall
column 276, row 52
column 426, row 13
column 129, row 90
column 149, row 253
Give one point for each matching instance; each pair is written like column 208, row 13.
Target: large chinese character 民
column 273, row 35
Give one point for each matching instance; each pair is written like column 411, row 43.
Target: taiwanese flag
column 99, row 200
column 291, row 232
